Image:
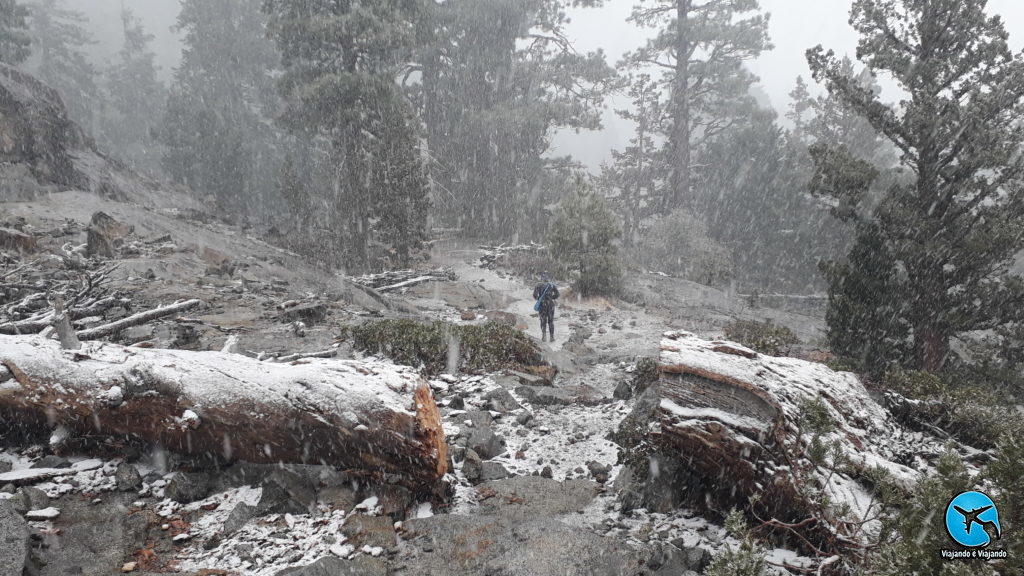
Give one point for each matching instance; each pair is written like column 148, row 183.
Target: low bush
column 765, row 337
column 438, row 347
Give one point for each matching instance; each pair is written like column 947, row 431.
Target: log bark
column 374, row 419
column 730, row 425
column 137, row 319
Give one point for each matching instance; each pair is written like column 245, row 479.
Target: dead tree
column 373, row 419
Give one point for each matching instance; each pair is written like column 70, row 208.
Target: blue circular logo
column 972, row 520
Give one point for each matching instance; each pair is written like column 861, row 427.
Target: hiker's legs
column 551, row 323
column 543, row 326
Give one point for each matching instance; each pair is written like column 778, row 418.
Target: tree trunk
column 679, row 185
column 723, row 427
column 374, row 419
column 931, row 347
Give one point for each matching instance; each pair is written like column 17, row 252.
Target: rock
column 456, row 403
column 361, row 565
column 127, row 477
column 502, row 317
column 43, row 514
column 35, row 498
column 623, row 391
column 5, row 466
column 546, row 472
column 529, row 379
column 17, row 241
column 472, row 466
column 337, row 497
column 524, row 417
column 51, row 461
column 468, row 315
column 486, row 443
column 501, row 400
column 239, row 515
column 394, row 500
column 458, row 453
column 363, row 530
column 599, row 471
column 479, row 418
column 285, row 491
column 492, row 471
column 104, row 235
column 310, row 312
column 14, row 540
column 186, row 487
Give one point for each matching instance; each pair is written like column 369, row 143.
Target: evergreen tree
column 14, row 39
column 498, row 78
column 952, row 232
column 584, row 239
column 134, row 93
column 700, row 49
column 59, row 40
column 636, row 175
column 340, row 62
column 218, row 131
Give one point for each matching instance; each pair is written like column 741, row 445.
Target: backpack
column 543, row 295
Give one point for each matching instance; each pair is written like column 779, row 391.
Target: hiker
column 545, row 294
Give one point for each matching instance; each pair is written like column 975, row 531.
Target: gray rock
column 486, row 443
column 14, row 538
column 127, row 477
column 458, row 453
column 239, row 515
column 479, row 418
column 546, row 472
column 5, row 466
column 394, row 500
column 337, row 497
column 472, row 466
column 285, row 491
column 363, row 530
column 501, row 400
column 330, row 566
column 623, row 391
column 185, row 487
column 51, row 461
column 524, row 417
column 7, row 488
column 493, row 471
column 36, row 498
column 20, row 503
column 456, row 403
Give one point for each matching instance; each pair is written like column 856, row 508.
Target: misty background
column 795, row 26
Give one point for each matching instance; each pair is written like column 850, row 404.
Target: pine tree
column 218, row 130
column 584, row 239
column 59, row 40
column 14, row 39
column 134, row 94
column 707, row 86
column 952, row 232
column 340, row 62
column 498, row 78
column 636, row 175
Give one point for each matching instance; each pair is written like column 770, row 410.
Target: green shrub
column 583, row 239
column 432, row 347
column 972, row 414
column 645, row 373
column 745, row 560
column 765, row 337
column 679, row 244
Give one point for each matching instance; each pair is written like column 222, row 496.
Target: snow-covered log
column 374, row 419
column 138, row 319
column 736, row 422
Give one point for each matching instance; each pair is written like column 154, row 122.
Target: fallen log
column 728, row 428
column 137, row 319
column 374, row 419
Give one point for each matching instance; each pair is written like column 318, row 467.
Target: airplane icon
column 971, row 517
